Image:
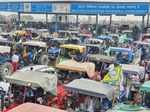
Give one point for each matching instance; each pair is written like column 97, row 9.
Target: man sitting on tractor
column 114, row 73
column 115, row 77
column 15, row 61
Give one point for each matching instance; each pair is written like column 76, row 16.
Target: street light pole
column 148, row 19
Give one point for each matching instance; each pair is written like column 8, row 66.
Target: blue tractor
column 123, row 55
column 53, row 53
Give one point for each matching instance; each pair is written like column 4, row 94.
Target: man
column 78, row 57
column 114, row 73
column 15, row 61
column 30, row 57
column 115, row 76
column 53, row 52
column 30, row 95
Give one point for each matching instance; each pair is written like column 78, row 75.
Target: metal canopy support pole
column 110, row 22
column 77, row 20
column 96, row 25
column 47, row 20
column 143, row 23
column 148, row 19
column 56, row 22
column 19, row 19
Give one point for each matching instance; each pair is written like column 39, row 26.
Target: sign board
column 15, row 7
column 77, row 8
column 61, row 8
column 110, row 8
column 27, row 7
column 3, row 6
column 41, row 7
column 149, row 8
column 12, row 7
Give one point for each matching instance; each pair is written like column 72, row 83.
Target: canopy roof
column 30, row 107
column 101, row 58
column 35, row 43
column 94, row 40
column 72, row 65
column 127, row 108
column 5, row 40
column 145, row 87
column 74, row 47
column 119, row 49
column 91, row 88
column 4, row 49
column 142, row 43
column 35, row 79
column 38, row 68
column 133, row 69
column 104, row 37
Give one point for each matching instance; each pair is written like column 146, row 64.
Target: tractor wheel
column 6, row 69
column 43, row 60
